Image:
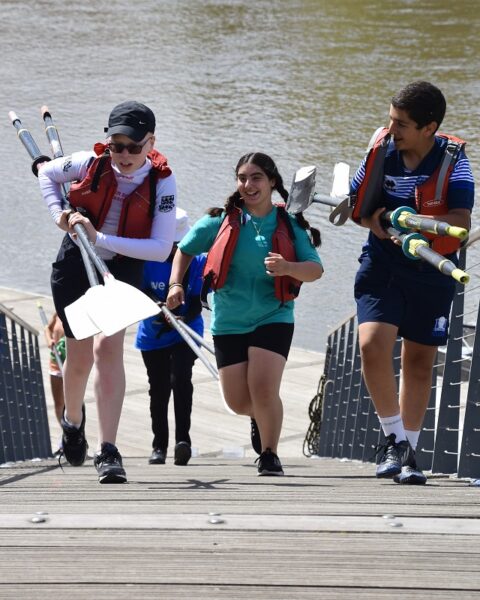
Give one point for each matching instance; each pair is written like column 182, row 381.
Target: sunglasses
column 130, row 148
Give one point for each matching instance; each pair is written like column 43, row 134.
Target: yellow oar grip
column 460, row 276
column 458, row 232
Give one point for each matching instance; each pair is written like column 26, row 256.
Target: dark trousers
column 170, row 369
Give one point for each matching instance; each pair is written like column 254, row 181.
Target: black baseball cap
column 132, row 119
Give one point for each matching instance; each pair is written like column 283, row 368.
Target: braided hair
column 264, row 162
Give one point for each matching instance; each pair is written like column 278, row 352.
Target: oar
column 53, row 347
column 415, row 246
column 302, row 193
column 188, row 339
column 27, row 140
column 405, row 218
column 112, row 306
column 82, row 324
column 85, row 325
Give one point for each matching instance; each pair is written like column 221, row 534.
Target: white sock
column 393, row 424
column 412, row 437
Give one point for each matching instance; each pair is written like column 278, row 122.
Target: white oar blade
column 302, row 190
column 117, row 305
column 80, row 323
column 341, row 181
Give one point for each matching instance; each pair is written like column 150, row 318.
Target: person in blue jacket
column 168, row 358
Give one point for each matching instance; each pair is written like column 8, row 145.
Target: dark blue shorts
column 385, row 294
column 233, row 349
column 69, row 278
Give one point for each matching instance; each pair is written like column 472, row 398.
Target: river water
column 306, row 81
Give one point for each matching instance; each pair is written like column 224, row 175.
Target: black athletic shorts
column 233, row 349
column 69, row 278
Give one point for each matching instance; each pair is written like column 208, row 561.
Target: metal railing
column 24, row 431
column 344, row 423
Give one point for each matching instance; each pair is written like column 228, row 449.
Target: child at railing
column 55, row 339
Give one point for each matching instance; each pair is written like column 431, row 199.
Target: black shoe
column 410, row 473
column 393, row 457
column 108, row 463
column 74, row 443
column 182, row 454
column 158, row 457
column 255, row 437
column 269, row 464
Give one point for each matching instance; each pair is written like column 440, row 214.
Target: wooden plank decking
column 213, row 529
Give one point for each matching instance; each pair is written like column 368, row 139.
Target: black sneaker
column 74, row 443
column 108, row 463
column 410, row 473
column 255, row 437
column 393, row 456
column 158, row 457
column 182, row 453
column 269, row 464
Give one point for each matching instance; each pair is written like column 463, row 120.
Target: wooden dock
column 213, row 529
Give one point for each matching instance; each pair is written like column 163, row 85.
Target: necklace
column 260, row 239
column 256, row 227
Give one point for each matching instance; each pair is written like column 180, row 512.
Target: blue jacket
column 153, row 333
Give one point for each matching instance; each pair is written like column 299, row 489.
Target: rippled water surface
column 305, row 81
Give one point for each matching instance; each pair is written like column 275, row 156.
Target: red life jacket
column 95, row 192
column 220, row 255
column 430, row 196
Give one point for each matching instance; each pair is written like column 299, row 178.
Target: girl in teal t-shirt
column 252, row 327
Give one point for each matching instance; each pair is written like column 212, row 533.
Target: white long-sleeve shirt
column 74, row 168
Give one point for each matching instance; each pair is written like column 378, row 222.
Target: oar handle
column 444, row 265
column 407, row 220
column 27, row 140
column 85, row 245
column 198, row 351
column 416, row 246
column 52, row 133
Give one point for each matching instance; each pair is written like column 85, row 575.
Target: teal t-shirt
column 247, row 300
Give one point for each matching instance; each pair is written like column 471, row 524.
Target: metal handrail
column 13, row 317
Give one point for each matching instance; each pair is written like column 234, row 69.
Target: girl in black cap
column 125, row 194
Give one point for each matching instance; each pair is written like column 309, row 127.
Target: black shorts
column 69, row 279
column 233, row 349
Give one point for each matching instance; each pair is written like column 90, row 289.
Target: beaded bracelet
column 173, row 285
